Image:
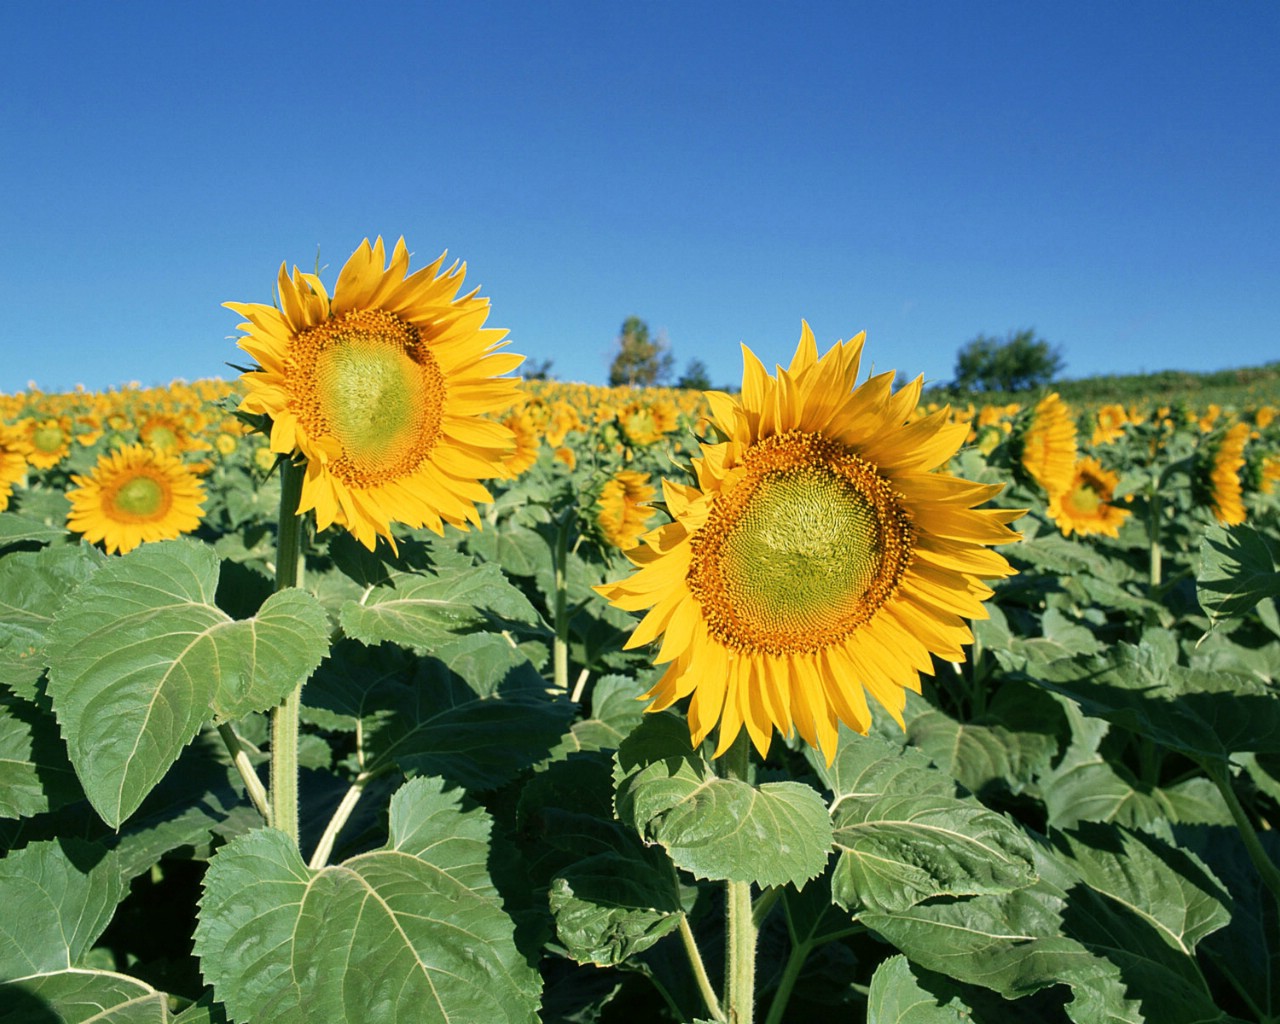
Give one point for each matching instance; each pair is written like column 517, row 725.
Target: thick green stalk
column 1265, row 866
column 1153, row 531
column 740, row 958
column 284, row 718
column 560, row 614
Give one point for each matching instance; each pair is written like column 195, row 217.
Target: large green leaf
column 477, row 712
column 1160, row 885
column 1012, row 943
column 615, row 711
column 35, row 775
column 423, row 610
column 1204, row 714
column 409, row 933
column 1006, row 747
column 609, row 907
column 1239, row 569
column 82, row 996
column 33, row 586
column 897, row 996
column 16, row 528
column 713, row 827
column 58, row 897
column 140, row 656
column 904, row 836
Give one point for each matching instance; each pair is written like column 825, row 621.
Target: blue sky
column 1105, row 173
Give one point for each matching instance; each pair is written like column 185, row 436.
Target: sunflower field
column 379, row 685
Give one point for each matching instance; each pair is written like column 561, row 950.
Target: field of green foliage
column 1078, row 823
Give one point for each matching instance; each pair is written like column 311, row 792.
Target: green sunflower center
column 368, row 382
column 1084, row 499
column 805, row 543
column 140, row 497
column 48, row 438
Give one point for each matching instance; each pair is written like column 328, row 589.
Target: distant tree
column 695, row 376
column 540, row 370
column 641, row 361
column 1020, row 362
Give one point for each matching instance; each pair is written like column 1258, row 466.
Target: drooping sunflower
column 1049, row 445
column 135, row 494
column 1225, row 463
column 820, row 557
column 1085, row 507
column 624, row 510
column 14, row 449
column 383, row 389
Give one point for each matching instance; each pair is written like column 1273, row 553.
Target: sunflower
column 1085, row 506
column 135, row 494
column 624, row 508
column 527, row 442
column 1269, row 474
column 14, row 450
column 819, row 558
column 50, row 440
column 1049, row 445
column 1110, row 425
column 382, row 390
column 1225, row 464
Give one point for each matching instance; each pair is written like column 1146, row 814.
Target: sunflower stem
column 1153, row 531
column 284, row 717
column 320, row 856
column 560, row 554
column 699, row 969
column 1265, row 866
column 740, row 954
column 253, row 786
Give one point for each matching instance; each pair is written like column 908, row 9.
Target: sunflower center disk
column 47, row 439
column 1085, row 499
column 376, row 388
column 141, row 498
column 803, row 549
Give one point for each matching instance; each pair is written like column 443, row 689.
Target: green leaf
column 898, row 997
column 477, row 713
column 423, row 610
column 140, row 656
column 82, row 996
column 16, row 528
column 1007, row 747
column 409, row 933
column 717, row 828
column 58, row 897
column 903, row 835
column 1012, row 943
column 1204, row 714
column 1239, row 569
column 615, row 711
column 35, row 775
column 1095, row 789
column 1143, row 905
column 33, row 586
column 609, row 907
column 518, row 549
column 1168, row 888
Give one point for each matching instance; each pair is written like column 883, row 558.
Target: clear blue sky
column 1105, row 172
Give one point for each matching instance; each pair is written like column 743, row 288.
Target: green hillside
column 1241, row 388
